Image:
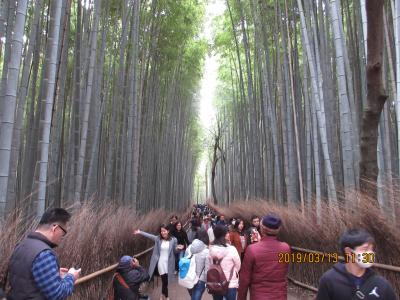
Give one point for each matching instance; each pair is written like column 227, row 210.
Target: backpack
column 216, row 280
column 187, row 271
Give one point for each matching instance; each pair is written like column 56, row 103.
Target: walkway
column 176, row 292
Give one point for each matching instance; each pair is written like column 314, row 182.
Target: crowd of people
column 233, row 258
column 227, row 242
column 248, row 253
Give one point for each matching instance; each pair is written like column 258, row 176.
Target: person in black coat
column 355, row 277
column 133, row 275
column 180, row 234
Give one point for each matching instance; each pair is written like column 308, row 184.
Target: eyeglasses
column 65, row 232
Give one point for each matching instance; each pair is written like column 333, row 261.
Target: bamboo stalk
column 108, row 269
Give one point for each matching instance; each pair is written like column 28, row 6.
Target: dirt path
column 176, row 292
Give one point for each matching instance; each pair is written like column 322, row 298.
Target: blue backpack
column 187, row 271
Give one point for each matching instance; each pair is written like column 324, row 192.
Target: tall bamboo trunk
column 316, row 84
column 346, row 125
column 130, row 184
column 10, row 101
column 51, row 65
column 88, row 97
column 22, row 95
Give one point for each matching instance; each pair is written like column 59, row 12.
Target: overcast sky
column 209, row 80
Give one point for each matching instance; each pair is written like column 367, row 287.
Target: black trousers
column 164, row 288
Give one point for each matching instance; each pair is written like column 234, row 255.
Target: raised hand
column 135, row 262
column 137, row 231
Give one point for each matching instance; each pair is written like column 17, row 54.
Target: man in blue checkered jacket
column 34, row 270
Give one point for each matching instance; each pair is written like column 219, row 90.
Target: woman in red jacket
column 238, row 238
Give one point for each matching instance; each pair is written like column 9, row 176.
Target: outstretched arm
column 145, row 234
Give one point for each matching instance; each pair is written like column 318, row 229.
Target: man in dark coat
column 221, row 220
column 355, row 277
column 261, row 271
column 133, row 275
column 34, row 270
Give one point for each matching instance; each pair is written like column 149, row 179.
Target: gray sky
column 209, row 80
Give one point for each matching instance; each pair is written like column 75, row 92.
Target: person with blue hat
column 126, row 281
column 261, row 271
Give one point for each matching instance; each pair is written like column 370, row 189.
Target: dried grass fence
column 305, row 231
column 97, row 237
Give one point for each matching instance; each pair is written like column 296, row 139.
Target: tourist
column 254, row 233
column 127, row 279
column 261, row 270
column 172, row 222
column 238, row 238
column 194, row 226
column 206, row 223
column 199, row 248
column 181, row 236
column 355, row 277
column 229, row 261
column 162, row 260
column 34, row 271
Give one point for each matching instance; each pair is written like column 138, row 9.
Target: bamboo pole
column 108, row 269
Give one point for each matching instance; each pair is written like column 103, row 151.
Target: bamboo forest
column 134, row 109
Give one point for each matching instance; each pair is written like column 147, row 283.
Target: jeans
column 231, row 295
column 197, row 291
column 178, row 256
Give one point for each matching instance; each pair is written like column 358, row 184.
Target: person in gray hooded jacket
column 199, row 248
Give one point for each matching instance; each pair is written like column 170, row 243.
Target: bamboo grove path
column 177, row 292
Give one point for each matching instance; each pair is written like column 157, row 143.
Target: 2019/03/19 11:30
column 308, row 257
